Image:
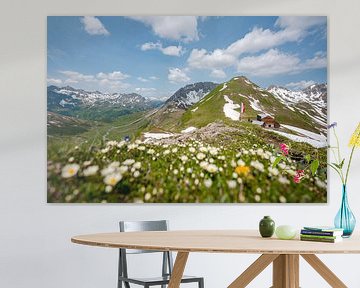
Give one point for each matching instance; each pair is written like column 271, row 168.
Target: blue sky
column 156, row 55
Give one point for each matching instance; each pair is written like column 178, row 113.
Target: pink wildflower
column 299, row 175
column 284, row 149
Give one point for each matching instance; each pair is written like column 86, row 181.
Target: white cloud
column 145, row 90
column 142, row 79
column 177, row 75
column 218, row 73
column 153, row 78
column 201, row 59
column 300, row 85
column 302, row 23
column 274, row 62
column 71, row 81
column 169, row 50
column 93, row 26
column 54, row 81
column 116, row 75
column 182, row 28
column 292, row 29
column 112, row 81
column 270, row 63
column 76, row 76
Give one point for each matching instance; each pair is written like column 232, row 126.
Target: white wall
column 35, row 248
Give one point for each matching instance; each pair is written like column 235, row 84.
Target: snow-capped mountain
column 68, row 96
column 190, row 94
column 95, row 105
column 311, row 101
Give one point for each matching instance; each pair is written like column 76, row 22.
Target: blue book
column 322, row 231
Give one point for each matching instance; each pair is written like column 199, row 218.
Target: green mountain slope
column 256, row 100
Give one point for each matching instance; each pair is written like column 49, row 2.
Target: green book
column 325, row 240
column 319, row 236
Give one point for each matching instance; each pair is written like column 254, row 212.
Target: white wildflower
column 123, row 169
column 213, row 151
column 257, row 165
column 257, row 198
column 284, row 180
column 320, row 184
column 71, row 159
column 141, row 148
column 137, row 165
column 204, row 164
column 132, row 146
column 70, row 170
column 147, row 196
column 128, row 162
column 211, row 168
column 208, row 183
column 136, row 174
column 176, row 171
column 91, row 170
column 258, row 190
column 184, row 158
column 112, row 179
column 192, row 149
column 240, row 163
column 121, row 144
column 231, row 184
column 273, row 171
column 200, row 156
column 203, row 149
column 189, row 170
column 166, row 152
column 108, row 189
column 151, row 151
column 282, row 199
column 87, row 163
column 174, row 150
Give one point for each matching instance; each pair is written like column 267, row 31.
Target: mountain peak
column 190, row 94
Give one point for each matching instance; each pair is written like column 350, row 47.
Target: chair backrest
column 137, row 226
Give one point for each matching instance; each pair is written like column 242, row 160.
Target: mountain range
column 95, row 105
column 198, row 104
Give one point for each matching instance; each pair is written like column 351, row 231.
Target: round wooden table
column 284, row 254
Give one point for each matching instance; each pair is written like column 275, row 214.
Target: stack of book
column 321, row 234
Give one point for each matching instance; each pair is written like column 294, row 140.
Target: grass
column 165, row 175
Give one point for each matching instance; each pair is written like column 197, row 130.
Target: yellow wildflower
column 355, row 138
column 244, row 170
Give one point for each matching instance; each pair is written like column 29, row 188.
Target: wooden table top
column 216, row 241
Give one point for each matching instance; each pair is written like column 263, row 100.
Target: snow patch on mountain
column 229, row 109
column 318, row 137
column 189, row 130
column 224, row 87
column 303, row 139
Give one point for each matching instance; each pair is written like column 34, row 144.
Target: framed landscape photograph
column 187, row 109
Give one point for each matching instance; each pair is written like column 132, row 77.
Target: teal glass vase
column 345, row 219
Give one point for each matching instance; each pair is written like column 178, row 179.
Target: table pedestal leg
column 286, row 271
column 253, row 270
column 178, row 269
column 324, row 271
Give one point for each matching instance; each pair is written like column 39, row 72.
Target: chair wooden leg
column 178, row 269
column 286, row 271
column 253, row 270
column 324, row 271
